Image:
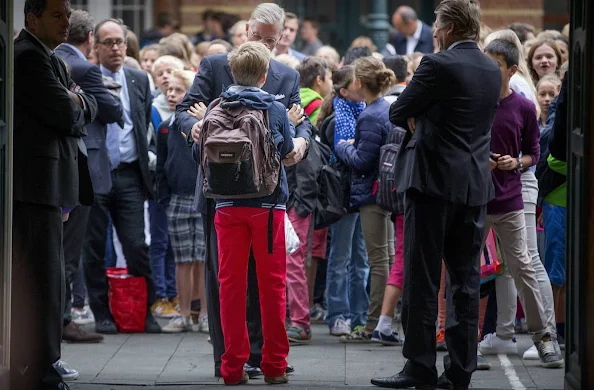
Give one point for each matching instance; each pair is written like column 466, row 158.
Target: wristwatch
column 520, row 165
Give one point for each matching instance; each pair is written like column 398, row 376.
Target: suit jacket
column 49, row 167
column 139, row 91
column 425, row 44
column 453, row 95
column 88, row 77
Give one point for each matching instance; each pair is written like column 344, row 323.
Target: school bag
column 387, row 197
column 238, row 157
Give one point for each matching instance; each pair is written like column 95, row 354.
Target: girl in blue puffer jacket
column 362, row 156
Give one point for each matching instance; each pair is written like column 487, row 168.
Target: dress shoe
column 150, row 325
column 106, row 326
column 402, row 380
column 73, row 334
column 444, row 383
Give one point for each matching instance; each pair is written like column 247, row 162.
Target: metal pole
column 378, row 25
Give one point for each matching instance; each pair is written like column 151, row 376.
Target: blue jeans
column 160, row 253
column 111, row 258
column 555, row 222
column 347, row 273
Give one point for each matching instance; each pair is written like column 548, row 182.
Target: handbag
column 491, row 265
column 127, row 300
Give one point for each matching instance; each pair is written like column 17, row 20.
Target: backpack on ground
column 387, row 196
column 238, row 156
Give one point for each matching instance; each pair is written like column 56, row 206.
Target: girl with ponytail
column 361, row 155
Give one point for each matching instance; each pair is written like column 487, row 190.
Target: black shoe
column 402, row 380
column 106, row 326
column 252, row 371
column 150, row 325
column 444, row 383
column 290, row 369
column 218, row 373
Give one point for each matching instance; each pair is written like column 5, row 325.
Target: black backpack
column 387, row 196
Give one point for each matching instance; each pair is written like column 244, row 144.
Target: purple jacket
column 515, row 132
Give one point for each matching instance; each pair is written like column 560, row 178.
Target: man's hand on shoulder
column 299, row 149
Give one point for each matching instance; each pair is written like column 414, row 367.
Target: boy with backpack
column 244, row 137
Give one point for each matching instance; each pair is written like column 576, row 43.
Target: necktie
column 113, row 138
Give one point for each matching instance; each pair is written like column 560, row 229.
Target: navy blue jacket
column 109, row 110
column 425, row 44
column 176, row 168
column 214, row 77
column 281, row 132
column 372, row 128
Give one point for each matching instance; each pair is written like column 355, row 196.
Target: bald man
column 412, row 35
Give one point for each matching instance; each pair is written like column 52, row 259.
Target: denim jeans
column 160, row 253
column 79, row 288
column 111, row 258
column 347, row 273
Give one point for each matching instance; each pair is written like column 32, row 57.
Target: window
column 134, row 13
column 79, row 4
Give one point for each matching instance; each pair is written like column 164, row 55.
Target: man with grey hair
column 444, row 171
column 88, row 76
column 214, row 76
column 412, row 35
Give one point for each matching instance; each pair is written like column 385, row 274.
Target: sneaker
column 299, row 335
column 174, row 302
column 244, row 379
column 66, row 372
column 340, row 328
column 252, row 371
column 277, row 380
column 359, row 335
column 531, row 354
column 317, row 313
column 391, row 339
column 163, row 309
column 178, row 324
column 493, row 345
column 82, row 316
column 548, row 354
column 440, row 340
column 203, row 325
column 482, row 363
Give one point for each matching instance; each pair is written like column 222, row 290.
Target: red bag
column 491, row 266
column 127, row 300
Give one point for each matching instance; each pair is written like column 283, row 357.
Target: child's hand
column 197, row 110
column 296, row 114
column 507, row 163
column 196, row 129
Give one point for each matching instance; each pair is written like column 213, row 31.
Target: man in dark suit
column 50, row 178
column 213, row 77
column 449, row 108
column 127, row 147
column 88, row 76
column 411, row 34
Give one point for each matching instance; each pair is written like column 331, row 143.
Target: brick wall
column 500, row 13
column 191, row 11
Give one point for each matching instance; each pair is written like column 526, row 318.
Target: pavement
column 184, row 361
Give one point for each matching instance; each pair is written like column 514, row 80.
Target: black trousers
column 74, row 235
column 125, row 203
column 254, row 319
column 38, row 290
column 435, row 229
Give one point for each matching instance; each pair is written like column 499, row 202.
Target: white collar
column 417, row 34
column 47, row 49
column 461, row 42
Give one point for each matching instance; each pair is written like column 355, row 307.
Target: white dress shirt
column 412, row 42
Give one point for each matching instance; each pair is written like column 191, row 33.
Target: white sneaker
column 177, row 324
column 203, row 325
column 66, row 372
column 531, row 354
column 493, row 345
column 82, row 316
column 340, row 328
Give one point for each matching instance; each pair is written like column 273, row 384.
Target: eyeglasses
column 110, row 42
column 271, row 42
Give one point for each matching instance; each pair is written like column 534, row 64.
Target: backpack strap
column 270, row 232
column 310, row 238
column 312, row 106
